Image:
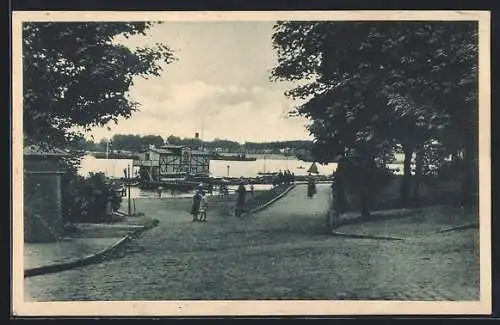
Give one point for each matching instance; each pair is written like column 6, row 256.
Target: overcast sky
column 219, row 86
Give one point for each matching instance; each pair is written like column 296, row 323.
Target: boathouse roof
column 162, row 151
column 169, row 149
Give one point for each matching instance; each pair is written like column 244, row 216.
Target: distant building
column 170, row 161
column 42, row 194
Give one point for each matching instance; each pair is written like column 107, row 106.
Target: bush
column 85, row 199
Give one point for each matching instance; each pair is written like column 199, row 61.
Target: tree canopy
column 369, row 87
column 75, row 76
column 354, row 71
column 135, row 143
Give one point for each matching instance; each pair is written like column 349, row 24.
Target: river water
column 218, row 168
column 114, row 168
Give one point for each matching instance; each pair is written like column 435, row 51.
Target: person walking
column 195, row 208
column 251, row 189
column 310, row 186
column 203, row 208
column 109, row 209
column 240, row 200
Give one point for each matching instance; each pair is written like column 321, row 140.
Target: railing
column 264, row 197
column 145, row 163
column 261, row 199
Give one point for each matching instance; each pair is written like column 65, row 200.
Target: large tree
column 76, row 76
column 443, row 69
column 155, row 140
column 349, row 72
column 128, row 142
column 340, row 87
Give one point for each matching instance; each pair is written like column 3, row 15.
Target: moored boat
column 216, row 156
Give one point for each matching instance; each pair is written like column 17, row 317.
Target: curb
column 265, row 205
column 89, row 259
column 361, row 236
column 461, row 227
column 358, row 236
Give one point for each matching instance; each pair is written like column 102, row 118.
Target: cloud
column 232, row 112
column 219, row 86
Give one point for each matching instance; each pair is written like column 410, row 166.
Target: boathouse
column 171, row 161
column 42, row 193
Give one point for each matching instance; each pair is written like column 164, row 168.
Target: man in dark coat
column 240, row 200
column 311, row 186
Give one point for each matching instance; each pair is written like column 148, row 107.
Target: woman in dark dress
column 195, row 209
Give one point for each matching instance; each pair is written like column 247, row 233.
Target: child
column 203, row 208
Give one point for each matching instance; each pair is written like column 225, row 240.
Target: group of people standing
column 200, row 203
column 285, row 177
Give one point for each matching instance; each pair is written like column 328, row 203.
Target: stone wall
column 42, row 207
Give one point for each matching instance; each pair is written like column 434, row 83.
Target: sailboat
column 264, row 172
column 313, row 169
column 107, row 158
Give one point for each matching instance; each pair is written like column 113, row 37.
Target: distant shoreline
column 102, row 155
column 274, row 156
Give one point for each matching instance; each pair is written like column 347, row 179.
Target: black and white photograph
column 251, row 163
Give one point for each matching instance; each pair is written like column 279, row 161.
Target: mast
column 265, row 155
column 202, row 129
column 107, row 156
column 107, row 149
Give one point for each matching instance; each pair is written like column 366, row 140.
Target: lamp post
column 228, row 170
column 128, row 185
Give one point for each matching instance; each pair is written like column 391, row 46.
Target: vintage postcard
column 251, row 163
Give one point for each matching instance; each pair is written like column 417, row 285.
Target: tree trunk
column 365, row 209
column 406, row 183
column 419, row 167
column 365, row 187
column 339, row 200
column 339, row 189
column 469, row 170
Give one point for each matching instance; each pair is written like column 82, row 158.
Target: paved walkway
column 42, row 254
column 282, row 252
column 89, row 239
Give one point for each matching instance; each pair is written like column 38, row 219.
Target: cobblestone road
column 281, row 252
